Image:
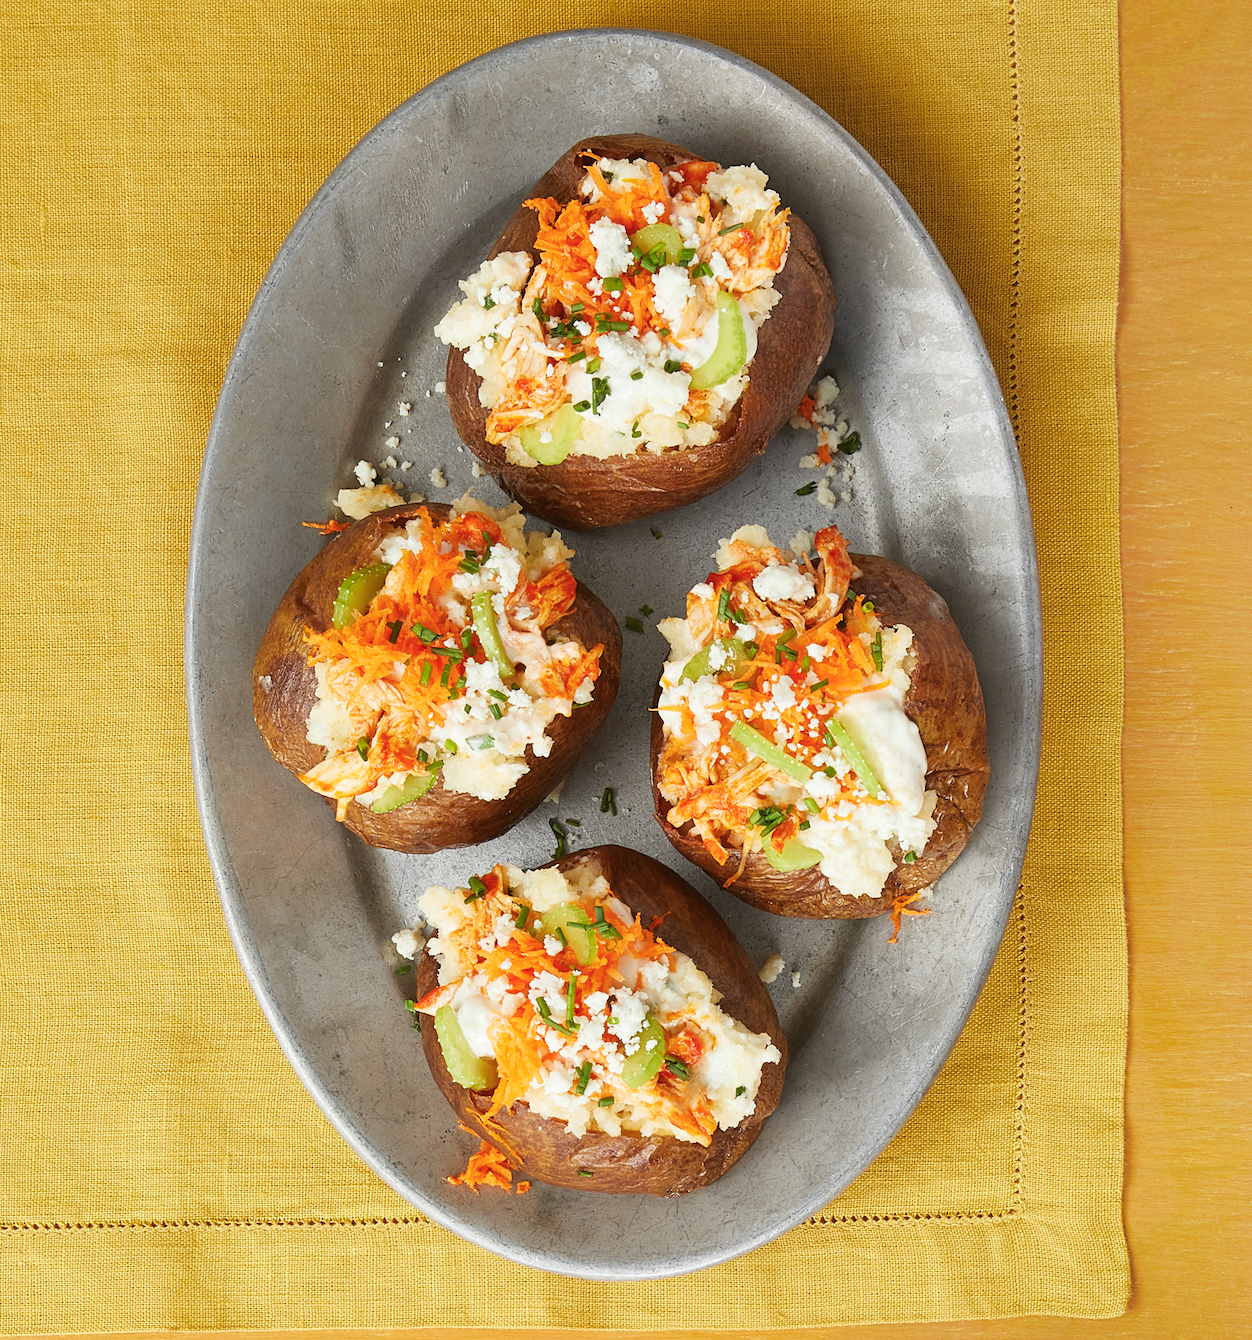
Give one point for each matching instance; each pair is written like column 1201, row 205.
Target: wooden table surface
column 1185, row 406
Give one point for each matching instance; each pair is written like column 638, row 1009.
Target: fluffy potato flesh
column 285, row 692
column 543, row 1149
column 585, row 492
column 943, row 701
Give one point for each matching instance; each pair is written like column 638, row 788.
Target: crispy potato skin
column 584, row 493
column 945, row 701
column 284, row 689
column 542, row 1148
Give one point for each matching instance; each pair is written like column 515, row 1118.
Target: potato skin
column 944, row 700
column 284, row 689
column 655, row 1165
column 584, row 493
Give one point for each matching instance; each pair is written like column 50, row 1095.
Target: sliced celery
column 415, row 786
column 357, row 591
column 737, row 654
column 469, row 1071
column 561, row 428
column 485, row 626
column 731, row 351
column 575, row 925
column 659, row 235
column 756, row 743
column 857, row 759
column 794, row 855
column 642, row 1065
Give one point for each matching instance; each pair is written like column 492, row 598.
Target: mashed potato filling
column 783, row 712
column 448, row 672
column 622, row 323
column 563, row 1016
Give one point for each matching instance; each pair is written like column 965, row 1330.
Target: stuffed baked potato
column 435, row 697
column 820, row 751
column 704, row 308
column 592, row 1052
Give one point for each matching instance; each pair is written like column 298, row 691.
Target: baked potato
column 435, row 698
column 820, row 752
column 644, row 272
column 620, row 1069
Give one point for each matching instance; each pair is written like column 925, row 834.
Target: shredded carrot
column 901, row 908
column 328, row 527
column 806, row 407
column 488, row 1167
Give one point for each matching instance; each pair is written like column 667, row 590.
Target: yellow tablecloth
column 161, row 1165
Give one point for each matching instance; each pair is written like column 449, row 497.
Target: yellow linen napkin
column 161, row 1166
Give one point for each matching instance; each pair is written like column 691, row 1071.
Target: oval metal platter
column 338, row 336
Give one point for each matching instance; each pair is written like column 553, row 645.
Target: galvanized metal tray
column 339, row 334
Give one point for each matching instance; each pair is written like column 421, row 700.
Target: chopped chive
column 830, row 772
column 586, row 1172
column 477, row 885
column 537, row 308
column 402, row 969
column 742, row 684
column 523, row 917
column 546, row 1015
column 426, row 672
column 741, row 1090
column 574, row 823
column 677, row 1067
column 488, row 302
column 645, row 609
column 804, row 823
column 446, row 677
column 607, row 802
column 656, row 534
column 684, row 426
column 702, row 271
column 576, row 308
column 910, row 857
column 450, row 746
column 396, row 628
column 593, row 365
column 635, row 625
column 482, row 741
column 426, row 634
column 423, row 756
column 868, row 606
column 584, row 1075
column 570, row 999
column 734, row 227
column 850, row 444
column 673, row 365
column 501, row 697
column 876, row 649
column 821, row 684
column 686, row 255
column 806, row 663
column 811, row 805
column 810, row 487
column 573, row 358
column 494, row 709
column 723, row 606
column 634, row 429
column 637, row 375
column 560, row 935
column 583, row 406
column 467, row 636
column 560, row 834
column 363, row 746
column 605, row 1102
column 613, row 285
